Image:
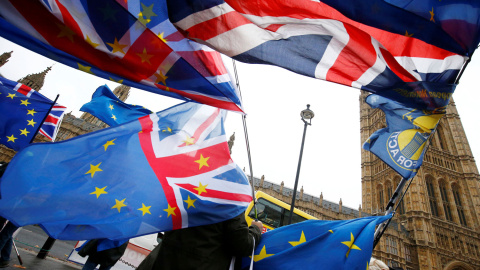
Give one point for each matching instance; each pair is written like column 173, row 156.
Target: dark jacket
column 106, row 257
column 209, row 247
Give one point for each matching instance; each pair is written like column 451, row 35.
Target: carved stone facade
column 441, row 209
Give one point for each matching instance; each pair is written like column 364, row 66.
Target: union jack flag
column 372, row 45
column 195, row 141
column 103, row 38
column 52, row 122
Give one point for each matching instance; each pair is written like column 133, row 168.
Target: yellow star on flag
column 145, row 57
column 24, row 132
column 119, row 81
column 160, row 35
column 170, row 210
column 148, row 11
column 202, row 161
column 145, row 209
column 142, row 20
column 31, row 123
column 32, row 112
column 114, row 117
column 89, row 41
column 110, row 106
column 117, row 47
column 167, row 130
column 65, row 31
column 431, row 15
column 407, row 34
column 94, row 169
column 24, row 102
column 12, row 95
column 160, row 78
column 119, row 204
column 190, row 202
column 302, row 240
column 99, row 191
column 350, row 244
column 201, row 188
column 330, row 231
column 11, row 138
column 86, row 69
column 108, row 143
column 262, row 255
column 189, row 141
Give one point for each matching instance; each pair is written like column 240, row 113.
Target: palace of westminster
column 436, row 226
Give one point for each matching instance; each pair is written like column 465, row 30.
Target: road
column 32, row 238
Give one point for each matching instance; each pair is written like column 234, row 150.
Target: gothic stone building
column 436, row 227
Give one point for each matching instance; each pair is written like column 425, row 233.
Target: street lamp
column 306, row 114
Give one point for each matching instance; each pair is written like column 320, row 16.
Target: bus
column 273, row 213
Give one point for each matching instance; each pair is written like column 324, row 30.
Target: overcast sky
column 273, row 99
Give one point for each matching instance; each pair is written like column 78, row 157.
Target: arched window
column 431, row 196
column 441, row 138
column 458, row 203
column 446, row 204
column 381, row 202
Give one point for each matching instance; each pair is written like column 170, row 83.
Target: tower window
column 432, row 198
column 446, row 204
column 458, row 203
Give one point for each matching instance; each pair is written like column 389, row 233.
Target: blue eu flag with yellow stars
column 402, row 143
column 106, row 106
column 161, row 172
column 317, row 244
column 22, row 112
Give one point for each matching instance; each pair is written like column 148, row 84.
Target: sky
column 273, row 99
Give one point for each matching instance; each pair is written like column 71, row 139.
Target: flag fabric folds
column 104, row 39
column 164, row 171
column 402, row 143
column 317, row 244
column 22, row 112
column 388, row 50
column 106, row 106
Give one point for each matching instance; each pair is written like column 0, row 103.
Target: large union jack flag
column 130, row 42
column 395, row 50
column 165, row 171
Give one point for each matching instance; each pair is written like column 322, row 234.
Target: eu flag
column 22, row 112
column 317, row 244
column 106, row 106
column 164, row 171
column 402, row 143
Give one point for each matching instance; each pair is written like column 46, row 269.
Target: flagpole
column 44, row 118
column 245, row 132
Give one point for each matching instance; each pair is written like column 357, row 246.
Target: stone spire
column 230, row 142
column 301, row 193
column 4, row 58
column 35, row 81
column 122, row 92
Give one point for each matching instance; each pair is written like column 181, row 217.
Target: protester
column 106, row 258
column 6, row 233
column 209, row 247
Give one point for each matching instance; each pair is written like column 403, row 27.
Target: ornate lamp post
column 306, row 114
